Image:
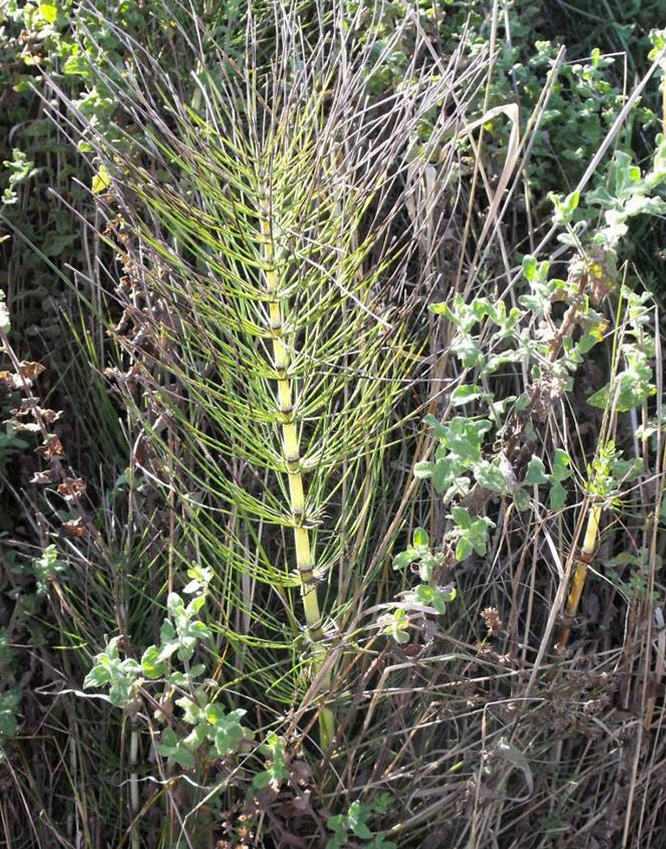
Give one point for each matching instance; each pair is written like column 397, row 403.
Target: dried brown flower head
column 492, row 620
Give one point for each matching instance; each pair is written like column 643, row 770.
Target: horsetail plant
column 268, row 269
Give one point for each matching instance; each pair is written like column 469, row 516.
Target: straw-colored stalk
column 580, row 574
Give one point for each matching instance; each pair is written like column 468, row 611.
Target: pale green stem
column 292, row 455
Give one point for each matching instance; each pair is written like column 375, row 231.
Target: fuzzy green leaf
column 420, row 538
column 404, row 558
column 521, row 499
column 49, row 11
column 536, row 472
column 558, row 496
column 466, row 394
column 490, row 476
column 463, row 549
column 171, row 747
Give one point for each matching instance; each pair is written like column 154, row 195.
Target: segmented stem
column 292, row 455
column 287, row 417
column 580, row 574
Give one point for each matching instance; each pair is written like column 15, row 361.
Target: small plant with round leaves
column 357, row 822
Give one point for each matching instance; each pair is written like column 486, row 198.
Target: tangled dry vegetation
column 365, row 547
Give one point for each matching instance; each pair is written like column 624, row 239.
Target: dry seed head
column 491, row 619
